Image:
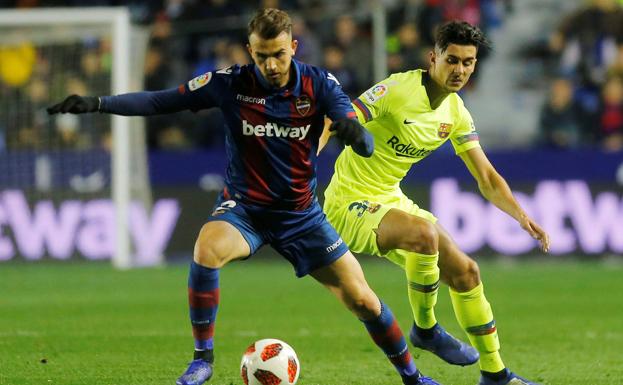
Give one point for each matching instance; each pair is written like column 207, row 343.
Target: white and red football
column 269, row 362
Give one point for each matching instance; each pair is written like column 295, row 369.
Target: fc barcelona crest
column 303, row 104
column 444, row 130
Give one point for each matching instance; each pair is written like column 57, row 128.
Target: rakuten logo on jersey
column 272, row 129
column 407, row 150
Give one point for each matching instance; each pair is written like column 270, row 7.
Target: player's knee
column 424, row 238
column 210, row 251
column 468, row 277
column 206, row 255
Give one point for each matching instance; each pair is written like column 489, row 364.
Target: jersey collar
column 287, row 90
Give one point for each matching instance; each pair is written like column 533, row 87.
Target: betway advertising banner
column 578, row 220
column 86, row 229
column 577, row 198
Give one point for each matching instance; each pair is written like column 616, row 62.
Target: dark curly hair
column 460, row 33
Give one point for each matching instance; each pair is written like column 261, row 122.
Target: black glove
column 352, row 133
column 76, row 104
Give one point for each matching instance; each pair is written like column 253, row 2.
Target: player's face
column 452, row 68
column 273, row 57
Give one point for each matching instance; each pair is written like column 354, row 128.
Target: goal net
column 71, row 186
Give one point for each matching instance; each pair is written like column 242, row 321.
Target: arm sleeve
column 464, row 137
column 202, row 92
column 145, row 103
column 337, row 106
column 335, row 102
column 372, row 103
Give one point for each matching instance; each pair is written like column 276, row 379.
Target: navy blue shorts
column 305, row 238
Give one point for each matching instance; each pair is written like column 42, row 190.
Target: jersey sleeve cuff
column 363, row 113
column 466, row 147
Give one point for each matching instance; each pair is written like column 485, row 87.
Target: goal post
column 62, row 29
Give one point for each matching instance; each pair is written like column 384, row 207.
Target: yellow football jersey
column 406, row 129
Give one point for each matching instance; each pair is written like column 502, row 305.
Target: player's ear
column 295, row 44
column 432, row 57
column 249, row 49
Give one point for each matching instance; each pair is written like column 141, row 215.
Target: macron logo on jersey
column 272, row 129
column 250, row 99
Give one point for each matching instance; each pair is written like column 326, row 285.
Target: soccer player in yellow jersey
column 410, row 115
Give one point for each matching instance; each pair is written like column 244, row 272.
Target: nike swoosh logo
column 406, row 121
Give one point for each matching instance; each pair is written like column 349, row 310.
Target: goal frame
column 118, row 18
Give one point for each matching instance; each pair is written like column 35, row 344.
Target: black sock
column 426, row 334
column 497, row 375
column 206, row 355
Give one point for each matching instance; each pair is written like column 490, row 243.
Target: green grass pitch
column 80, row 323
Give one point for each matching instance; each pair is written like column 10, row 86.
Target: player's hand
column 350, row 131
column 76, row 104
column 536, row 232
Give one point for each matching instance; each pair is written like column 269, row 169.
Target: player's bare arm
column 326, row 135
column 495, row 189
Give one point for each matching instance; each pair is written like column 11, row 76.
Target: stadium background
column 547, row 102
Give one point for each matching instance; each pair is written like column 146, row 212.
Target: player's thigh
column 229, row 234
column 218, row 243
column 457, row 269
column 344, row 278
column 407, row 227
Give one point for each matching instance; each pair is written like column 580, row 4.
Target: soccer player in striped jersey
column 410, row 115
column 274, row 110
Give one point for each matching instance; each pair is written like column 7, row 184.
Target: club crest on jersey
column 375, row 93
column 444, row 130
column 199, row 81
column 303, row 104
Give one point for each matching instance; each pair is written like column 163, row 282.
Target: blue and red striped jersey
column 271, row 135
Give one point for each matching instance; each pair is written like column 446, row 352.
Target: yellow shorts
column 357, row 219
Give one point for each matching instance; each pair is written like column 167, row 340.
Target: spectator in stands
column 357, row 50
column 611, row 115
column 309, row 50
column 404, row 49
column 17, row 62
column 466, row 10
column 485, row 14
column 559, row 122
column 334, row 63
column 586, row 41
column 161, row 129
column 91, row 70
column 616, row 68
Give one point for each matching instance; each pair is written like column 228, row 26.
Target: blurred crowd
column 32, row 76
column 584, row 56
column 189, row 37
column 334, row 35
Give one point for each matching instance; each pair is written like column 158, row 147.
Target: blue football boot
column 510, row 379
column 445, row 346
column 419, row 379
column 198, row 372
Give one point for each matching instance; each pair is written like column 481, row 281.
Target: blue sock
column 203, row 299
column 387, row 335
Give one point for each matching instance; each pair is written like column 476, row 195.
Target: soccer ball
column 269, row 362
